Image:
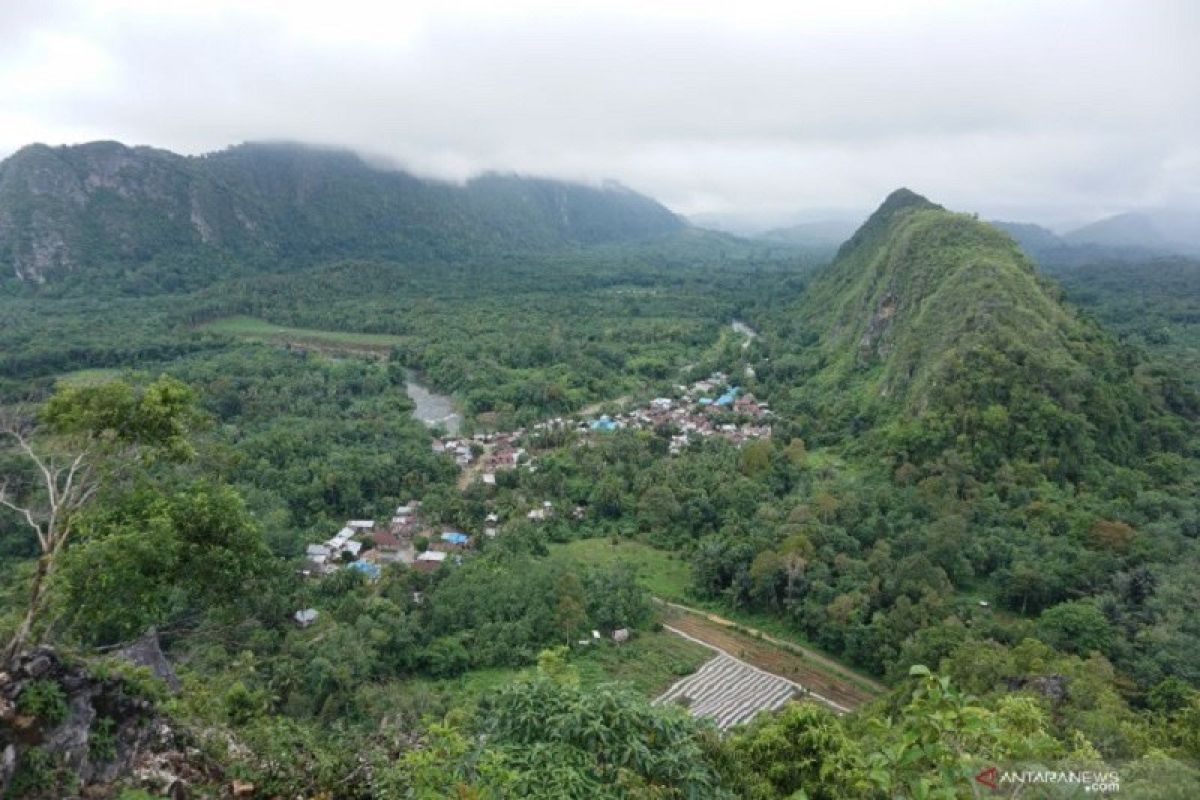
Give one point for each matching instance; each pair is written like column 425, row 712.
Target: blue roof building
column 455, row 537
column 605, row 423
column 366, row 568
column 728, row 398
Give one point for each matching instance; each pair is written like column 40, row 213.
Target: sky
column 1056, row 111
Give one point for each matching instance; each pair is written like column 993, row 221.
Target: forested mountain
column 936, row 316
column 104, row 207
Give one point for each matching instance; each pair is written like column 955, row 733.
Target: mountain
column 823, row 233
column 104, row 206
column 1032, row 238
column 1159, row 231
column 936, row 330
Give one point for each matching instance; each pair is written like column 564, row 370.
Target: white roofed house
column 305, row 617
column 361, row 524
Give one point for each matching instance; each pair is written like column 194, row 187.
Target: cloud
column 1060, row 109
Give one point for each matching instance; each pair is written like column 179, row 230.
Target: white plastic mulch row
column 730, row 691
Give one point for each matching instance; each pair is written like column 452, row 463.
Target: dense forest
column 974, row 494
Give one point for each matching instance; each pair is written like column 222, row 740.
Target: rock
column 1052, row 687
column 147, row 652
column 242, row 789
column 38, row 666
column 8, row 765
column 178, row 791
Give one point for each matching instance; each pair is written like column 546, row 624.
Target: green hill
column 106, row 208
column 936, row 329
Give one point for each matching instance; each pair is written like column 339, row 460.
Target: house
column 492, row 517
column 537, row 514
column 620, row 635
column 317, row 551
column 605, row 423
column 491, row 532
column 385, row 541
column 305, row 617
column 361, row 524
column 352, row 548
column 455, row 538
column 489, row 478
column 429, row 560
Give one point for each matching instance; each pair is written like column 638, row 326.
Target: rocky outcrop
column 67, row 730
column 147, row 652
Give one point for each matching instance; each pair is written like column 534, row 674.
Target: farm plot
column 819, row 683
column 730, row 692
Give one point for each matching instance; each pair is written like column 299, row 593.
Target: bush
column 45, row 700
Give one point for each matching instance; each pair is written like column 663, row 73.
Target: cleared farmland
column 836, row 691
column 729, row 691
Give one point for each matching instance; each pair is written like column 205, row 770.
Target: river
column 432, row 408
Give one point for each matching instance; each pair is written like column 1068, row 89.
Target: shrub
column 45, row 700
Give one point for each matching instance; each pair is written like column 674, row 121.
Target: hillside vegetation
column 110, row 208
column 937, row 330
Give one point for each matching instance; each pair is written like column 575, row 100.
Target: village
column 708, row 408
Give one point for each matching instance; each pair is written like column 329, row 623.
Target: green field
column 664, row 574
column 649, row 663
column 263, row 331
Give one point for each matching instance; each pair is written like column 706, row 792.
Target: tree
column 85, row 434
column 146, row 557
column 1076, row 627
column 801, row 748
column 64, row 484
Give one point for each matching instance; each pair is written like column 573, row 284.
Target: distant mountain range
column 1133, row 234
column 104, row 206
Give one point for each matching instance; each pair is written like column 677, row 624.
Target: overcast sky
column 1044, row 110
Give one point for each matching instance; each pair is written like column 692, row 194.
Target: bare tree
column 62, row 485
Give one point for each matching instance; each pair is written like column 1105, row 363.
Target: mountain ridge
column 104, row 205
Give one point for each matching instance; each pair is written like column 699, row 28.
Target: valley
column 428, row 494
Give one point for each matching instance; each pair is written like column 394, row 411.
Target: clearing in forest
column 835, row 688
column 378, row 345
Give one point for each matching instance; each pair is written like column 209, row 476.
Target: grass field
column 649, row 662
column 664, row 574
column 260, row 330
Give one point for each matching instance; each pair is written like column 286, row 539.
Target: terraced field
column 730, row 691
